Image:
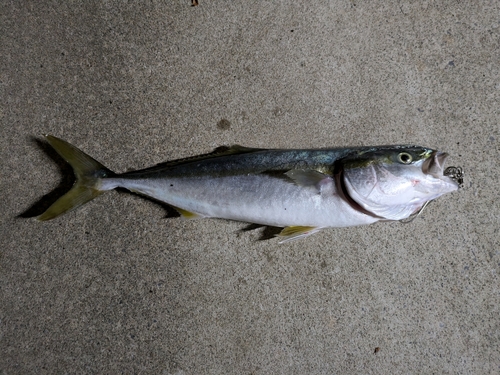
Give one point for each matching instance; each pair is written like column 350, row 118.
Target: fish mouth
column 434, row 165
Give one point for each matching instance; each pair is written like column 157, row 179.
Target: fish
column 302, row 191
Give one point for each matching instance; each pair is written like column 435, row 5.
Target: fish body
column 301, row 190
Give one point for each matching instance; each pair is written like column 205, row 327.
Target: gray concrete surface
column 116, row 287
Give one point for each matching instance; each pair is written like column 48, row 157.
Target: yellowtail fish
column 301, row 190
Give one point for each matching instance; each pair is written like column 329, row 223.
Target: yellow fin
column 77, row 196
column 295, row 232
column 87, row 171
column 185, row 214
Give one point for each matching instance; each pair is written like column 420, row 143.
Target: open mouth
column 434, row 165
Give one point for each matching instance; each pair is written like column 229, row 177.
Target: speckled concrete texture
column 115, row 287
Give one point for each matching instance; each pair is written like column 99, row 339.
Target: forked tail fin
column 87, row 171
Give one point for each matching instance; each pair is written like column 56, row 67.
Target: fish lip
column 434, row 165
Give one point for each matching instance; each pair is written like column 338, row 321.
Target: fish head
column 396, row 181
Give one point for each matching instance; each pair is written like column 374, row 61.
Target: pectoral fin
column 308, row 178
column 296, row 232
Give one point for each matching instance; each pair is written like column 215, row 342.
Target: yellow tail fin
column 87, row 172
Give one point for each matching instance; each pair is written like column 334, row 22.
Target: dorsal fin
column 238, row 149
column 219, row 151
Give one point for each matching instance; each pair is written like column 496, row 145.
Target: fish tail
column 88, row 173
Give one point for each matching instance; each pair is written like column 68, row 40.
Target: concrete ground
column 115, row 287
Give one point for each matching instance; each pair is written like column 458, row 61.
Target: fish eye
column 405, row 158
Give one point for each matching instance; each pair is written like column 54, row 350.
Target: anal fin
column 296, row 232
column 185, row 214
